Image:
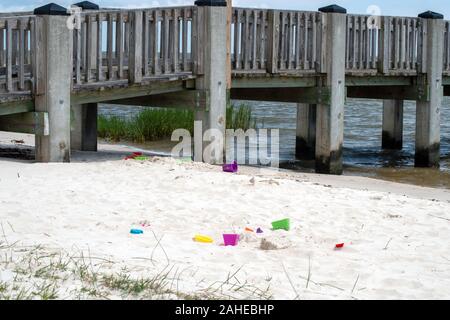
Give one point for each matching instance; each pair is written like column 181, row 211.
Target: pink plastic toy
column 231, row 239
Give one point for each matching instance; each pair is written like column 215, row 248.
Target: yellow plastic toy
column 203, row 239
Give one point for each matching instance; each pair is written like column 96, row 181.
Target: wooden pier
column 55, row 68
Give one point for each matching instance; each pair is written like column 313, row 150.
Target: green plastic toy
column 281, row 225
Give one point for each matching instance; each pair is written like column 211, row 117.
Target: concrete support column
column 211, row 66
column 306, row 131
column 83, row 135
column 53, row 71
column 392, row 137
column 428, row 112
column 330, row 116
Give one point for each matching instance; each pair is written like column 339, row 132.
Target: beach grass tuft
column 155, row 124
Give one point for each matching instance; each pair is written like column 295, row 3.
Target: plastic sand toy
column 203, row 239
column 249, row 230
column 230, row 167
column 339, row 246
column 230, row 239
column 134, row 156
column 136, row 231
column 259, row 230
column 281, row 225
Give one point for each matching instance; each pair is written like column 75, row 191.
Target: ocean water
column 362, row 140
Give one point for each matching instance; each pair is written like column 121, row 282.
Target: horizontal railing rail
column 16, row 53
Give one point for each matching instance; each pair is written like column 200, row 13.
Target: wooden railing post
column 54, row 66
column 135, row 63
column 83, row 118
column 273, row 39
column 330, row 117
column 212, row 78
column 428, row 112
column 384, row 41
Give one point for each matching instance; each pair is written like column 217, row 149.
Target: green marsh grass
column 156, row 124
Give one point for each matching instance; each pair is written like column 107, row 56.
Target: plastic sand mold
column 203, row 239
column 230, row 167
column 230, row 239
column 136, row 231
column 259, row 230
column 339, row 246
column 134, row 155
column 281, row 225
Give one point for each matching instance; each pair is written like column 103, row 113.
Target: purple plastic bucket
column 230, row 239
column 230, row 167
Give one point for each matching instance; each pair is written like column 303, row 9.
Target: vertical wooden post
column 392, row 137
column 273, row 40
column 384, row 41
column 54, row 63
column 135, row 61
column 229, row 17
column 212, row 35
column 306, row 131
column 428, row 112
column 83, row 135
column 330, row 117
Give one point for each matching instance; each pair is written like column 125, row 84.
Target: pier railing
column 16, row 53
column 120, row 46
column 275, row 41
column 139, row 44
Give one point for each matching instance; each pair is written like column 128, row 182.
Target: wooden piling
column 212, row 55
column 83, row 135
column 54, row 79
column 392, row 136
column 305, row 145
column 330, row 117
column 428, row 112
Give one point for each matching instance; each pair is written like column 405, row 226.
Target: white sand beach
column 65, row 229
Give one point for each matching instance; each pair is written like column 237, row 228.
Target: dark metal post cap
column 334, row 8
column 86, row 5
column 431, row 15
column 51, row 9
column 211, row 3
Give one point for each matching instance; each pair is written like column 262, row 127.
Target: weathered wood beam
column 264, row 81
column 378, row 80
column 418, row 93
column 27, row 122
column 17, row 106
column 312, row 95
column 189, row 99
column 123, row 90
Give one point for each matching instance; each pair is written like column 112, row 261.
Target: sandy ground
column 397, row 239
